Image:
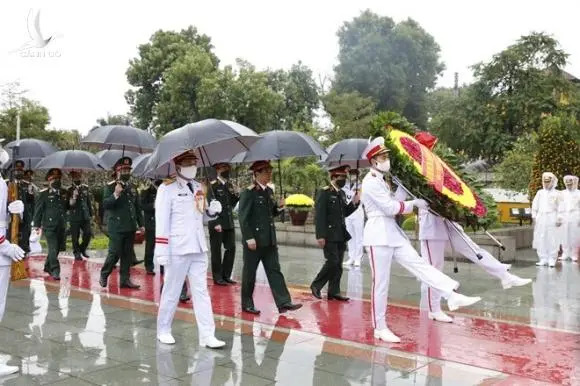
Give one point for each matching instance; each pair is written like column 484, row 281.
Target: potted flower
column 298, row 207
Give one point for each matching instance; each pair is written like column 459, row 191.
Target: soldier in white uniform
column 354, row 224
column 386, row 241
column 569, row 213
column 180, row 207
column 546, row 223
column 435, row 234
column 8, row 252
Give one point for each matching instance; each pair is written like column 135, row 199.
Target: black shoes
column 152, row 273
column 136, row 262
column 289, row 307
column 230, row 281
column 103, row 282
column 220, row 282
column 130, row 285
column 251, row 310
column 77, row 256
column 55, row 276
column 315, row 292
column 85, row 254
column 338, row 297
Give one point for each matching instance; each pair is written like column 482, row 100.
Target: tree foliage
column 515, row 170
column 350, row 114
column 557, row 150
column 394, row 64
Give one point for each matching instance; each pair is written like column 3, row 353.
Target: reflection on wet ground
column 73, row 332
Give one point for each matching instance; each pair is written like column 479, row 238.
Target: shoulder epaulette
column 326, row 188
column 213, row 182
column 251, row 187
column 111, row 183
column 168, row 181
column 25, row 182
column 85, row 185
column 43, row 190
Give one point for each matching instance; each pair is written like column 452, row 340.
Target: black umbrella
column 110, row 157
column 140, row 164
column 29, row 150
column 213, row 139
column 125, row 138
column 277, row 145
column 71, row 159
column 347, row 152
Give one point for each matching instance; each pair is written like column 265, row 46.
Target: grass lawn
column 99, row 241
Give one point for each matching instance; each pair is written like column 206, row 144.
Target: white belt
column 377, row 215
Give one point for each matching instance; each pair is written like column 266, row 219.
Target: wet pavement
column 73, row 332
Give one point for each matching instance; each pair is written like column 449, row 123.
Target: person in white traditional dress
column 547, row 225
column 180, row 246
column 569, row 213
column 386, row 241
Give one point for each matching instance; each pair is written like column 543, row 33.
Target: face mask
column 55, row 184
column 188, row 172
column 225, row 174
column 340, row 183
column 125, row 177
column 384, row 166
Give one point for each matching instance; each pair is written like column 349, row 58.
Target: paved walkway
column 73, row 332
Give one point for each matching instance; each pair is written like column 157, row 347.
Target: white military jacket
column 179, row 216
column 4, row 259
column 432, row 227
column 381, row 207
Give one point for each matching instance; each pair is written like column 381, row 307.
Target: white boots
column 457, row 300
column 510, row 280
column 387, row 335
column 440, row 317
column 210, row 342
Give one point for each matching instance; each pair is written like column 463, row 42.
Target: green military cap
column 53, row 173
column 123, row 163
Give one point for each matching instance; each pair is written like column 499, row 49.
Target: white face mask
column 188, row 172
column 384, row 166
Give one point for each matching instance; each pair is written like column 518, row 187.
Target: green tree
column 243, row 96
column 395, row 64
column 146, row 73
column 512, row 173
column 350, row 114
column 119, row 119
column 557, row 150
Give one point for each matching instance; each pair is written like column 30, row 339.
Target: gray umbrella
column 110, row 157
column 126, row 138
column 139, row 168
column 71, row 159
column 347, row 152
column 29, row 150
column 213, row 139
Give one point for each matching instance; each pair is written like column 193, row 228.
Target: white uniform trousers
column 570, row 239
column 380, row 258
column 355, row 224
column 4, row 282
column 433, row 251
column 194, row 266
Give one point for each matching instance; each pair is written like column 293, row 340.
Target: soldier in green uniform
column 80, row 214
column 147, row 197
column 121, row 200
column 222, row 230
column 331, row 210
column 26, row 195
column 257, row 210
column 49, row 215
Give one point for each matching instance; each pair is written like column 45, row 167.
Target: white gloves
column 34, row 235
column 215, row 207
column 163, row 260
column 13, row 251
column 420, row 203
column 16, row 207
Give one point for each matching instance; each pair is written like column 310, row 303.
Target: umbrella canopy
column 215, row 140
column 347, row 152
column 110, row 157
column 278, row 144
column 29, row 150
column 140, row 164
column 126, row 138
column 71, row 159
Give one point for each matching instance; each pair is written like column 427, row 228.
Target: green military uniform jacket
column 331, row 210
column 124, row 214
column 148, row 205
column 257, row 210
column 224, row 193
column 50, row 209
column 82, row 209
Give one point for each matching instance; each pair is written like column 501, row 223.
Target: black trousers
column 331, row 271
column 269, row 258
column 54, row 243
column 75, row 230
column 120, row 247
column 149, row 249
column 222, row 269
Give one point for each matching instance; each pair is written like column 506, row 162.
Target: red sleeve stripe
column 161, row 240
column 2, row 238
column 402, row 207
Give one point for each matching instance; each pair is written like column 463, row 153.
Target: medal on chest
column 199, row 198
